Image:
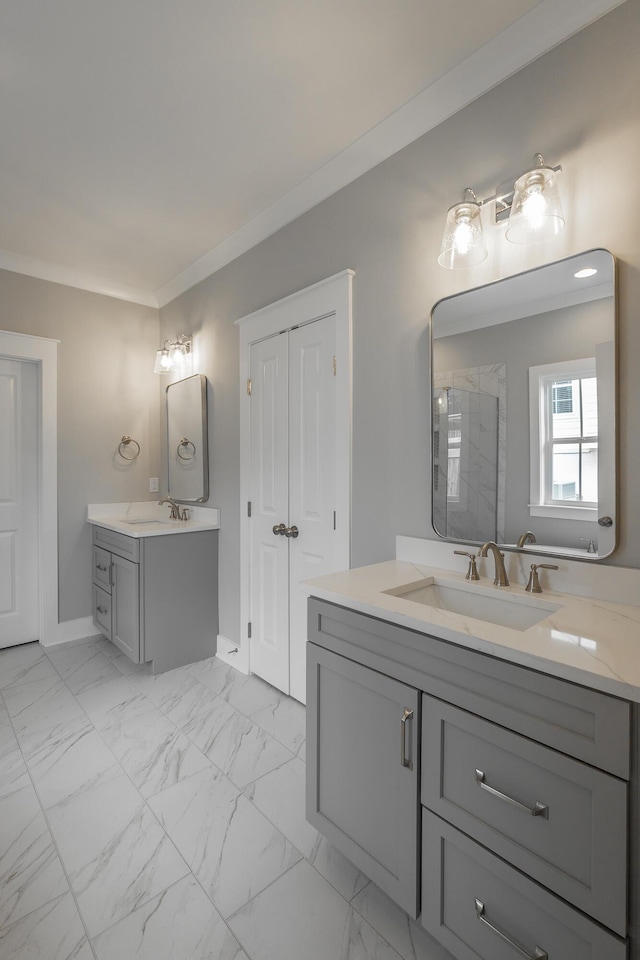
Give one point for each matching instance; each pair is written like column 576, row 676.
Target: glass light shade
column 463, row 243
column 536, row 211
column 163, row 361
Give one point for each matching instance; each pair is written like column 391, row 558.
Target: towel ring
column 124, row 443
column 186, row 443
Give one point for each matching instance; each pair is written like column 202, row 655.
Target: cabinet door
column 362, row 769
column 125, row 617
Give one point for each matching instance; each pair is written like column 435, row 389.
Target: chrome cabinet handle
column 538, row 810
column 99, row 567
column 291, row 532
column 406, row 716
column 279, row 529
column 101, row 609
column 538, row 953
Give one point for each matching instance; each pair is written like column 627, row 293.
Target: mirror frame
column 613, row 531
column 205, row 439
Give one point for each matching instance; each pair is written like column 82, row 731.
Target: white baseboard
column 233, row 654
column 70, row 631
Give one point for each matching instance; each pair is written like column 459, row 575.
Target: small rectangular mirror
column 187, row 440
column 523, row 420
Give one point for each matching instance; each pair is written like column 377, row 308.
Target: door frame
column 329, row 297
column 44, row 353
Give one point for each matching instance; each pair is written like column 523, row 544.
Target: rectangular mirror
column 523, row 422
column 187, row 440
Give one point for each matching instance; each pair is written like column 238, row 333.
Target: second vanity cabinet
column 519, row 784
column 155, row 597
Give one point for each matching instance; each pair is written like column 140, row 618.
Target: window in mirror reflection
column 565, row 434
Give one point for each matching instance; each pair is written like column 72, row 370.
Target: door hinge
column 334, row 366
column 249, row 630
column 249, row 386
column 248, row 508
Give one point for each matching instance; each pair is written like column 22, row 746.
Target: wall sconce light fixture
column 173, row 354
column 530, row 202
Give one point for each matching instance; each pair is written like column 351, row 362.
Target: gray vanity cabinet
column 156, row 598
column 363, row 766
column 525, row 789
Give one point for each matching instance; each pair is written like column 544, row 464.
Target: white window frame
column 538, row 428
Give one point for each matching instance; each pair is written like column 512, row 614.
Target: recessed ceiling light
column 587, row 272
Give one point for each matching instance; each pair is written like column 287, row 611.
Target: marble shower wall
column 479, row 510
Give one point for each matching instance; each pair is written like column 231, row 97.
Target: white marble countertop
column 592, row 642
column 148, row 519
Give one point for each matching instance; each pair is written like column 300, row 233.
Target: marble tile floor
column 162, row 818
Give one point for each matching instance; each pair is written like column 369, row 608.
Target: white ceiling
column 145, row 143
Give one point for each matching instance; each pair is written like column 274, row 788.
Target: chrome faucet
column 175, row 509
column 500, row 579
column 527, row 537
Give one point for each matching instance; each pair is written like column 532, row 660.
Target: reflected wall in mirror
column 187, row 443
column 524, row 410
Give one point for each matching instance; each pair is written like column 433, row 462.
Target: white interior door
column 269, row 494
column 293, row 489
column 312, row 477
column 19, row 588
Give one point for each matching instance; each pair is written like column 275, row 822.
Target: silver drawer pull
column 98, row 567
column 407, row 715
column 538, row 954
column 538, row 809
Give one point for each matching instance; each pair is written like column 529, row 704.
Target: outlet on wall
column 154, row 484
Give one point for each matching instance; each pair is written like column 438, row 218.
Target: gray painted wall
column 576, row 106
column 106, row 388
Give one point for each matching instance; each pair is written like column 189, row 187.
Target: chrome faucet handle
column 185, row 513
column 533, row 584
column 472, row 571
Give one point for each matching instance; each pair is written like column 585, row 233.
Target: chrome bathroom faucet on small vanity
column 473, row 749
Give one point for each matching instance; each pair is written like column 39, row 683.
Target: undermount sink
column 481, row 603
column 147, row 520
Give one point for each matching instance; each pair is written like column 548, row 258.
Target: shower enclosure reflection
column 465, row 464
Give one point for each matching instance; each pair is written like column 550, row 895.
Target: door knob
column 280, row 530
column 291, row 532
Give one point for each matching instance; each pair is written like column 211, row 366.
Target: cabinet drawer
column 102, row 568
column 584, row 723
column 480, row 908
column 102, row 610
column 561, row 821
column 127, row 547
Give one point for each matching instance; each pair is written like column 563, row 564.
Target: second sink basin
column 481, row 603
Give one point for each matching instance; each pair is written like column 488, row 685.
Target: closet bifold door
column 363, row 769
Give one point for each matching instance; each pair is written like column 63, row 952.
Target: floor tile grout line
column 246, row 715
column 144, row 803
column 170, row 839
column 52, row 836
